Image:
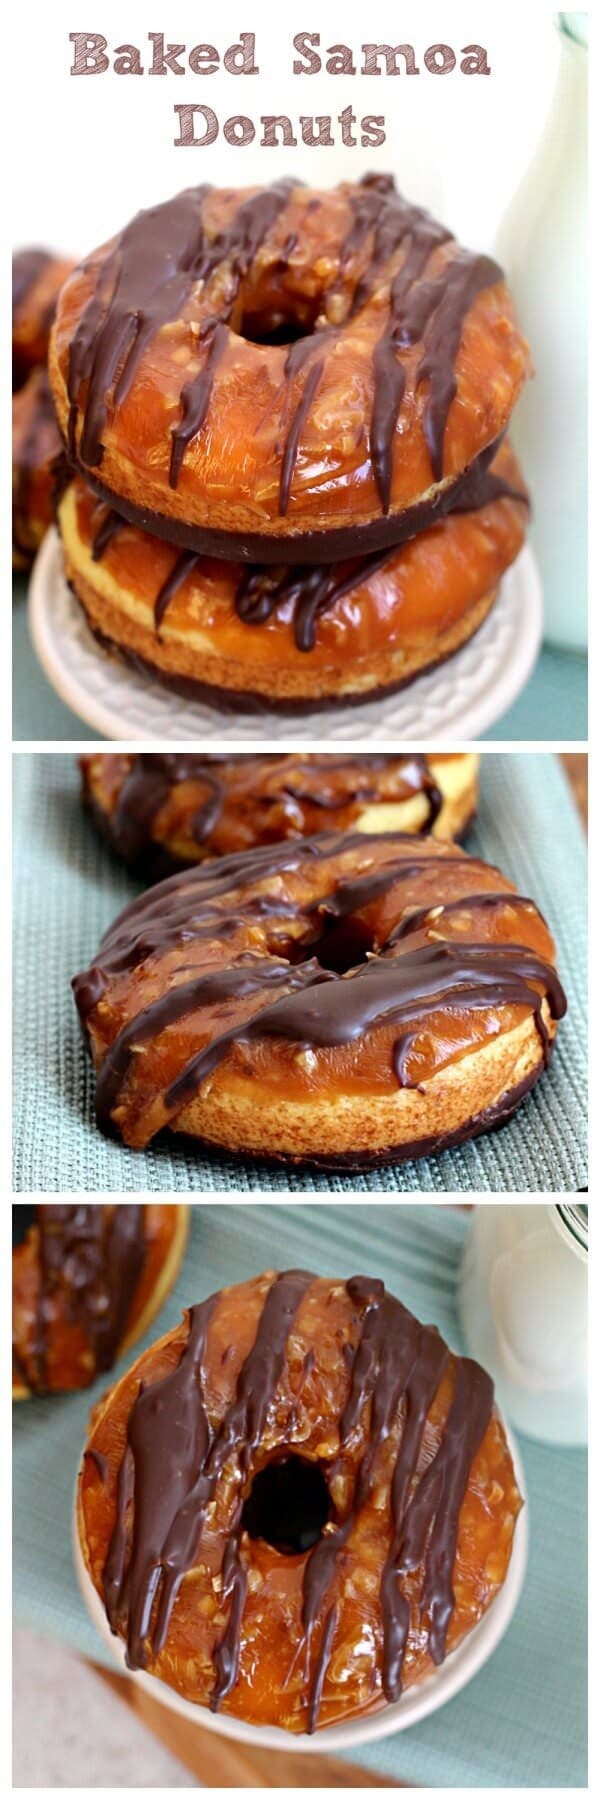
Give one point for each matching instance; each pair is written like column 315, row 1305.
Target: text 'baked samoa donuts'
column 86, row 1283
column 296, row 1503
column 258, row 1002
column 246, row 369
column 162, row 811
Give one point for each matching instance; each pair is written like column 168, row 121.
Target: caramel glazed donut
column 86, row 1283
column 161, row 812
column 299, row 379
column 337, row 1000
column 37, row 455
column 296, row 1503
column 37, row 277
column 369, row 624
column 37, row 466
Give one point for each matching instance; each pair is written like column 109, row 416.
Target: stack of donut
column 37, row 277
column 285, row 412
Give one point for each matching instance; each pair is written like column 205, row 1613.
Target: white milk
column 523, row 1309
column 541, row 245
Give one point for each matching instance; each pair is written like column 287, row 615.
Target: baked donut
column 336, row 1000
column 162, row 812
column 37, row 277
column 86, row 1283
column 296, row 1503
column 37, row 457
column 295, row 636
column 284, row 375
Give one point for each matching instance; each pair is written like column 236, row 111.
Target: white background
column 89, row 151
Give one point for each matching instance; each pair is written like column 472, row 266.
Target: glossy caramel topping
column 178, row 1454
column 36, row 455
column 302, row 595
column 217, row 804
column 165, row 258
column 89, row 1258
column 300, row 945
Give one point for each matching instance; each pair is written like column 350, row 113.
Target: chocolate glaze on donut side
column 90, row 1261
column 36, row 456
column 344, row 1376
column 208, row 274
column 190, row 973
column 221, row 803
column 306, row 593
column 37, row 277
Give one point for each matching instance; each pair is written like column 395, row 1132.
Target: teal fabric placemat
column 521, row 1722
column 68, row 889
column 552, row 706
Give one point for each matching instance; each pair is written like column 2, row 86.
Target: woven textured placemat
column 68, row 889
column 522, row 1720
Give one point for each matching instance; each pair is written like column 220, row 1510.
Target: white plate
column 430, row 1694
column 461, row 699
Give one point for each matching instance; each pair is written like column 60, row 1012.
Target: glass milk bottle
column 542, row 247
column 523, row 1310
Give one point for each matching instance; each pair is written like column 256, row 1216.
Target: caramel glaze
column 305, row 594
column 298, row 946
column 212, row 805
column 37, row 277
column 90, row 1261
column 178, row 1450
column 36, row 458
column 151, row 274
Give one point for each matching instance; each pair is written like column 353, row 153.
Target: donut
column 335, row 1000
column 37, row 277
column 299, row 636
column 37, row 458
column 86, row 1283
column 281, row 374
column 162, row 812
column 297, row 1503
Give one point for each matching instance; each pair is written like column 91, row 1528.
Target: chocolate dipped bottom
column 86, row 1283
column 300, row 635
column 163, row 812
column 239, row 372
column 341, row 1000
column 297, row 1503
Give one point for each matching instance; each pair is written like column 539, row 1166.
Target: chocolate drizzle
column 36, row 451
column 108, row 529
column 276, row 787
column 410, row 980
column 89, row 1265
column 173, row 1463
column 27, row 266
column 305, row 593
column 151, row 271
column 171, row 1469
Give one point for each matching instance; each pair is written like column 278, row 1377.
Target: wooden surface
column 221, row 1762
column 576, row 766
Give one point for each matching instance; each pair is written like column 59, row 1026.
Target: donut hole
column 23, row 1217
column 288, row 1505
column 273, row 323
column 344, row 943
